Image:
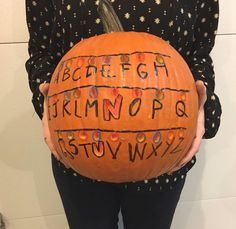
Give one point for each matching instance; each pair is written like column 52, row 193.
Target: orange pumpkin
column 122, row 107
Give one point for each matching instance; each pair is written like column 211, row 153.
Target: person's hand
column 200, row 130
column 46, row 133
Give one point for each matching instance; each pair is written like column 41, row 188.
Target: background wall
column 28, row 195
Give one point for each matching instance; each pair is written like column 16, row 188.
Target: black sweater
column 190, row 26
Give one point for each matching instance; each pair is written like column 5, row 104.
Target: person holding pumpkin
column 190, row 27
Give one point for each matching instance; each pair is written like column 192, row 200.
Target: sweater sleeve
column 40, row 65
column 201, row 63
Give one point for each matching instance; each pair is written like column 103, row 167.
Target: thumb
column 44, row 87
column 201, row 90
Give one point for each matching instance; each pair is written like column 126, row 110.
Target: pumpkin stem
column 110, row 20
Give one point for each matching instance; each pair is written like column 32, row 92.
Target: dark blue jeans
column 91, row 204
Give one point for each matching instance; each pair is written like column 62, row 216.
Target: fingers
column 47, row 137
column 64, row 163
column 54, row 151
column 44, row 87
column 175, row 169
column 52, row 148
column 193, row 150
column 200, row 130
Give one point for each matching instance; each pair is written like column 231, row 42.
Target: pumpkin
column 122, row 107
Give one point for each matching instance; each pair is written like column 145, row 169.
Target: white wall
column 28, row 195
